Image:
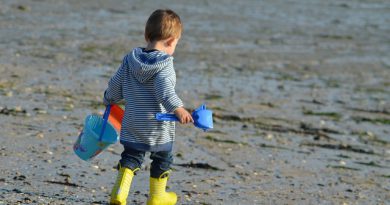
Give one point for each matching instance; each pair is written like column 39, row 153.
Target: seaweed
column 200, row 166
column 303, row 128
column 334, row 115
column 13, row 111
column 6, row 85
column 229, row 117
column 335, row 37
column 218, row 108
column 371, row 164
column 372, row 120
column 343, row 156
column 272, row 146
column 333, row 84
column 370, row 89
column 211, row 138
column 213, row 97
column 340, row 147
column 23, row 8
column 66, row 183
column 369, row 138
column 343, row 167
column 95, row 104
column 314, row 101
column 384, row 111
column 287, row 77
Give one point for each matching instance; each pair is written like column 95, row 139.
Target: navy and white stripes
column 146, row 81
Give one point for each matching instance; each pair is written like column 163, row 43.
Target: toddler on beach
column 146, row 81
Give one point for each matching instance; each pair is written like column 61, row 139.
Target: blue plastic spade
column 203, row 118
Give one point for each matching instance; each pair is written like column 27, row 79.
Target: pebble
column 18, row 109
column 187, row 197
column 370, row 134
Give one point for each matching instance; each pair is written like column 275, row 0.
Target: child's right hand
column 183, row 115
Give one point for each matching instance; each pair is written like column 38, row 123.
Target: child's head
column 163, row 25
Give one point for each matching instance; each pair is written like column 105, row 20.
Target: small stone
column 40, row 135
column 342, row 162
column 370, row 134
column 18, row 109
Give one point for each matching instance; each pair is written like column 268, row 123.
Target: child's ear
column 170, row 41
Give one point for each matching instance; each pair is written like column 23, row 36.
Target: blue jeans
column 133, row 159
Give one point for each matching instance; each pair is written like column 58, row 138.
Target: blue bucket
column 96, row 136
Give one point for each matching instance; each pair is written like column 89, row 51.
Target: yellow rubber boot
column 157, row 195
column 121, row 189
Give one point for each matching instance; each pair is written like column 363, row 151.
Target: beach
column 299, row 89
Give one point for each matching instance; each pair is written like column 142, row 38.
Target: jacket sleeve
column 164, row 88
column 113, row 93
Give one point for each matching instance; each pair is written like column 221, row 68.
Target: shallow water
column 300, row 93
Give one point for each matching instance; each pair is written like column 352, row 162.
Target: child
column 146, row 81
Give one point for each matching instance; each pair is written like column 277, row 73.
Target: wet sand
column 299, row 89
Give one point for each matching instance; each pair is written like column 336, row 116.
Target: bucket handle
column 105, row 118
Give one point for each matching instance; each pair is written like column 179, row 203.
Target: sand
column 299, row 89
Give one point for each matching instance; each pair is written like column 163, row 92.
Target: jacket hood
column 144, row 65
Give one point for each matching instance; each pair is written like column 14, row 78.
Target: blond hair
column 163, row 24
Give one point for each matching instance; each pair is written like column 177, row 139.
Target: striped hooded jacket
column 146, row 81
